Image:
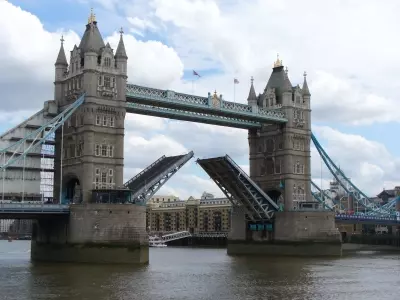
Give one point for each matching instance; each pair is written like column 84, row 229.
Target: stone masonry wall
column 108, row 223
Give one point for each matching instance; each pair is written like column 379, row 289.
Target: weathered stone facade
column 89, row 156
column 92, row 144
column 98, row 233
column 280, row 157
column 280, row 163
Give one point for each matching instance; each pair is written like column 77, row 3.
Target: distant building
column 207, row 214
column 388, row 195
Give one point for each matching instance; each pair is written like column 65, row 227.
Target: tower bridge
column 99, row 218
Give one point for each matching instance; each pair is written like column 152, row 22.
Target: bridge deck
column 187, row 115
column 32, row 210
column 182, row 104
column 239, row 188
column 145, row 184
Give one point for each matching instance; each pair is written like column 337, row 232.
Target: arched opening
column 274, row 195
column 72, row 190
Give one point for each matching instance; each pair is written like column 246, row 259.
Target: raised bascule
column 97, row 217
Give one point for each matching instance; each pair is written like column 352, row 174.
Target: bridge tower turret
column 90, row 158
column 93, row 140
column 280, row 154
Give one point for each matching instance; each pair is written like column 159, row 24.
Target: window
column 107, row 62
column 80, row 149
column 97, row 171
column 112, row 121
column 110, row 172
column 270, row 145
column 111, row 151
column 104, row 150
column 278, row 166
column 97, row 150
column 100, row 80
column 107, row 82
column 97, row 183
column 98, row 120
column 72, row 150
column 104, row 177
column 104, row 121
column 280, row 145
column 298, row 168
column 113, row 82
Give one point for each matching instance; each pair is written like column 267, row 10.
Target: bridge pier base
column 93, row 233
column 295, row 234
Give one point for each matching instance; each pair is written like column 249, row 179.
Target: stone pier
column 93, row 233
column 294, row 234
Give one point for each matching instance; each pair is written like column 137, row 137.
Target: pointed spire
column 121, row 52
column 288, row 85
column 306, row 91
column 92, row 39
column 252, row 92
column 278, row 62
column 61, row 58
column 92, row 17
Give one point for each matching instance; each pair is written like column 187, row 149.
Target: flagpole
column 234, row 91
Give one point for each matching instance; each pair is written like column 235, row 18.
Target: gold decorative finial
column 252, row 79
column 215, row 93
column 92, row 17
column 62, row 40
column 305, row 74
column 121, row 31
column 278, row 62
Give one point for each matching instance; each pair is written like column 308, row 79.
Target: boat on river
column 155, row 241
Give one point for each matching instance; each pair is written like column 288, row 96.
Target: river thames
column 193, row 273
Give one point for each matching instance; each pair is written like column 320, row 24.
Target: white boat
column 155, row 241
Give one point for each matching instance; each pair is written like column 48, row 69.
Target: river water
column 187, row 273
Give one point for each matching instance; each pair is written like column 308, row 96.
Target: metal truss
column 320, row 193
column 37, row 138
column 150, row 180
column 130, row 181
column 192, row 116
column 210, row 234
column 238, row 187
column 171, row 99
column 389, row 220
column 355, row 192
column 175, row 236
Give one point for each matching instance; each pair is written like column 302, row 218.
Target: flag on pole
column 196, row 74
column 235, row 81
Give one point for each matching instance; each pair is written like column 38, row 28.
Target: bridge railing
column 33, row 207
column 204, row 103
column 367, row 217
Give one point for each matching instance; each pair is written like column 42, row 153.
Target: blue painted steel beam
column 190, row 116
column 209, row 105
column 362, row 219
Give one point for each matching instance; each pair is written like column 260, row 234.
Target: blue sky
column 222, row 40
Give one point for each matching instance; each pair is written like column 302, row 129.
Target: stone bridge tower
column 280, row 154
column 90, row 153
column 89, row 156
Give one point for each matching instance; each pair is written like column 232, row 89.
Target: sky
column 348, row 49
